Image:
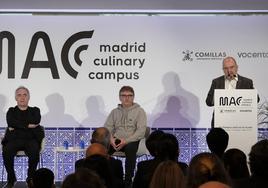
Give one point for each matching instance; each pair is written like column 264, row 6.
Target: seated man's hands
column 117, row 143
column 32, row 126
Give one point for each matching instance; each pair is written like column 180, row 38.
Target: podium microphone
column 230, row 77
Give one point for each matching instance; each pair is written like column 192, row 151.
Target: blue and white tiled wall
column 192, row 141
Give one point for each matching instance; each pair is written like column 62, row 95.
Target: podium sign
column 236, row 112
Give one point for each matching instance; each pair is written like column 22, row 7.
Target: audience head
column 152, row 142
column 102, row 136
column 167, row 174
column 168, row 148
column 101, row 166
column 43, row 178
column 235, row 162
column 96, row 149
column 206, row 167
column 214, row 184
column 258, row 159
column 217, row 140
column 82, row 178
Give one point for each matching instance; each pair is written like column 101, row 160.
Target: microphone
column 117, row 141
column 230, row 77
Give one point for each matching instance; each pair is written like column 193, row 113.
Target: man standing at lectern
column 230, row 80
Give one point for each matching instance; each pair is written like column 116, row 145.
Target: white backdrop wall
column 171, row 64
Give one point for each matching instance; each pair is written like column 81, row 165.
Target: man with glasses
column 127, row 124
column 230, row 80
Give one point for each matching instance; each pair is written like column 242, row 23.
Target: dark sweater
column 19, row 121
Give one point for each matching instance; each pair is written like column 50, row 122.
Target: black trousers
column 130, row 151
column 31, row 148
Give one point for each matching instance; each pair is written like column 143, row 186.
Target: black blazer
column 116, row 167
column 219, row 83
column 251, row 182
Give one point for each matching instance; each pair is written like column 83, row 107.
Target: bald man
column 96, row 149
column 230, row 80
column 101, row 136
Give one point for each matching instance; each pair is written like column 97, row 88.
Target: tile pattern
column 192, row 141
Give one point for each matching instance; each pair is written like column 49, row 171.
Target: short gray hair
column 22, row 87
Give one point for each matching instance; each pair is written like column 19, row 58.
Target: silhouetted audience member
column 42, row 178
column 152, row 142
column 101, row 166
column 102, row 136
column 168, row 149
column 258, row 164
column 205, row 167
column 214, row 184
column 235, row 162
column 96, row 149
column 167, row 175
column 217, row 141
column 145, row 169
column 82, row 178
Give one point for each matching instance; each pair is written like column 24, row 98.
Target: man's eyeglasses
column 126, row 96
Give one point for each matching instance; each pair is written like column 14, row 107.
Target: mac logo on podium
column 228, row 101
column 236, row 112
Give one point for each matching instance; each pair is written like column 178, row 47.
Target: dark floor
column 21, row 184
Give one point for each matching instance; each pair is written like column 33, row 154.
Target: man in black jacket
column 230, row 80
column 162, row 146
column 23, row 133
column 258, row 164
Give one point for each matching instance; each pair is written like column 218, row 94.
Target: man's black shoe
column 9, row 184
column 29, row 182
